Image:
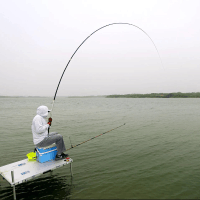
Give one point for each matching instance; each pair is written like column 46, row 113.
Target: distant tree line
column 158, row 95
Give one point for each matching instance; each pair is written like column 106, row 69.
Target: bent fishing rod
column 73, row 146
column 50, row 119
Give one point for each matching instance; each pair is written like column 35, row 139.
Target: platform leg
column 1, row 179
column 71, row 169
column 14, row 193
column 13, row 180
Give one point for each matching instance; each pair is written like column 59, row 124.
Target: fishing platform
column 24, row 170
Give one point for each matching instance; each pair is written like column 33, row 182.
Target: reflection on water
column 46, row 187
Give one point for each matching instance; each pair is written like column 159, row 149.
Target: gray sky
column 38, row 38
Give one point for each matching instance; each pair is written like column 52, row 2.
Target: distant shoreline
column 158, row 95
column 151, row 95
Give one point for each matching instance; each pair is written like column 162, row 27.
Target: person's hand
column 50, row 120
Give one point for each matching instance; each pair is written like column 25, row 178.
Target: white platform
column 25, row 170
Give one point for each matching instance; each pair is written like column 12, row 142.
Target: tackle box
column 45, row 154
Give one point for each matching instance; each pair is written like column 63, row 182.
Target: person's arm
column 39, row 127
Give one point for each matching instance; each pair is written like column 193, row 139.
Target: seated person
column 40, row 133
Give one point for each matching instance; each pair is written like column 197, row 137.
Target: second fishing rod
column 73, row 146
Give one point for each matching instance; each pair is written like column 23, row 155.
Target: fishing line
column 83, row 43
column 93, row 137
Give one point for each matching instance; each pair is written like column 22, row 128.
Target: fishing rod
column 93, row 137
column 84, row 42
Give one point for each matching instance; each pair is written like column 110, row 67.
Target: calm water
column 155, row 155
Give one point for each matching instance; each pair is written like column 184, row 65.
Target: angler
column 41, row 135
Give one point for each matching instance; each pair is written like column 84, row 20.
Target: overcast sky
column 38, row 38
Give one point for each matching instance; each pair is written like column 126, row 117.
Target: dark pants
column 53, row 138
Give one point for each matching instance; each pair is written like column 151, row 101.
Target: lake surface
column 155, row 155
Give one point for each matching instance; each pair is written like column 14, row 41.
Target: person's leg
column 57, row 138
column 59, row 143
column 53, row 133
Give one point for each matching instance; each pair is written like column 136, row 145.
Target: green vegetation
column 158, row 95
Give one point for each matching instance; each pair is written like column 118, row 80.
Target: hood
column 42, row 111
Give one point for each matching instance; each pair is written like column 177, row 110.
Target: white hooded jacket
column 39, row 125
